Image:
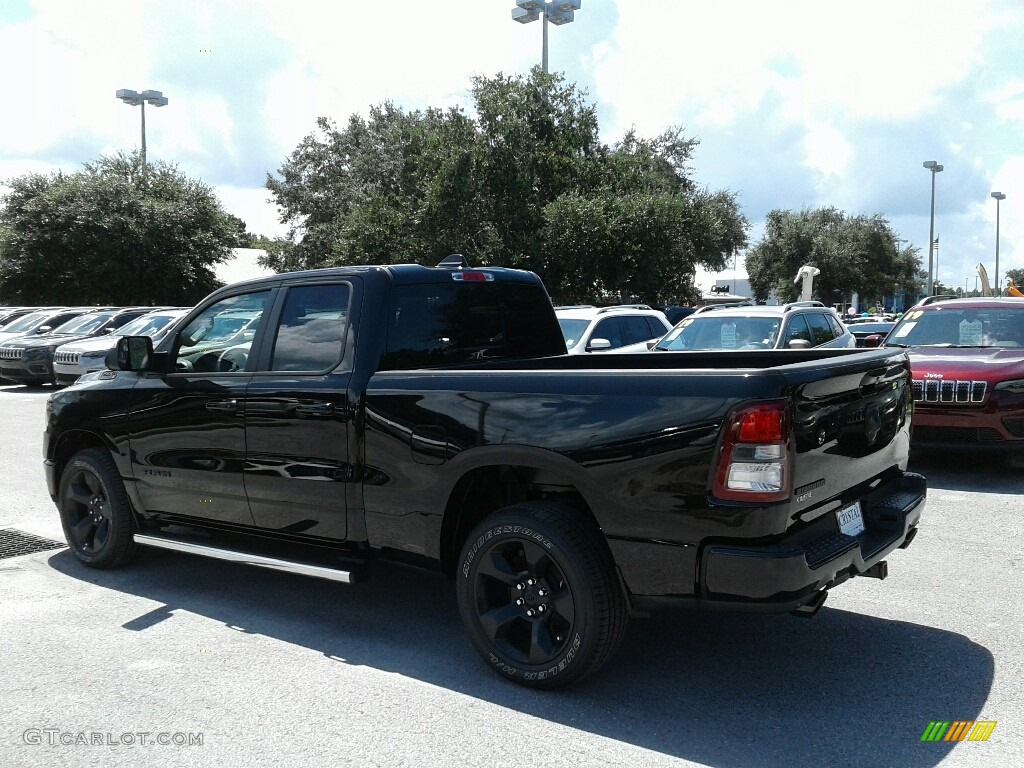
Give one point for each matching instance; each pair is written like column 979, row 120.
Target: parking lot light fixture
column 935, row 168
column 136, row 99
column 999, row 196
column 558, row 12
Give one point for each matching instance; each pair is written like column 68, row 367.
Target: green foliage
column 854, row 254
column 526, row 183
column 1017, row 275
column 115, row 232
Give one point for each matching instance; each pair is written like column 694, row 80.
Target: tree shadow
column 719, row 689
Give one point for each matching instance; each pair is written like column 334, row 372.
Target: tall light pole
column 558, row 12
column 935, row 168
column 896, row 288
column 135, row 99
column 999, row 196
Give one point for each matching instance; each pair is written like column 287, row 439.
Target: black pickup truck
column 430, row 414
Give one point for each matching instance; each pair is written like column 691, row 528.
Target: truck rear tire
column 95, row 512
column 539, row 596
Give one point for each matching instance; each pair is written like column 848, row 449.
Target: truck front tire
column 539, row 596
column 95, row 512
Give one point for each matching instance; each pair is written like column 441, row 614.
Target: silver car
column 80, row 357
column 799, row 325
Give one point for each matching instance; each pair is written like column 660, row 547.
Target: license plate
column 850, row 520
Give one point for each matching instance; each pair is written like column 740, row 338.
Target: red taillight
column 754, row 463
column 761, row 424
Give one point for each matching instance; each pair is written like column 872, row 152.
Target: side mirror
column 132, row 353
column 598, row 344
column 874, row 340
column 44, row 329
column 799, row 344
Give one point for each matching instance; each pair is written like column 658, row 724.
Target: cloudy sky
column 796, row 104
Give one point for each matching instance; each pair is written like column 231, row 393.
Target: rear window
column 445, row 324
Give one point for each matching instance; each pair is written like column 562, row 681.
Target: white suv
column 593, row 329
column 87, row 355
column 798, row 325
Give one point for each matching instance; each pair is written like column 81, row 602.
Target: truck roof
column 399, row 274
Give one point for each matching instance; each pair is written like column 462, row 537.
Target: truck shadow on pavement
column 971, row 472
column 719, row 689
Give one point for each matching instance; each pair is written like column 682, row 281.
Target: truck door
column 297, row 414
column 187, row 427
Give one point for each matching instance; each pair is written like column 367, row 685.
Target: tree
column 525, row 184
column 854, row 253
column 117, row 232
column 1017, row 275
column 394, row 188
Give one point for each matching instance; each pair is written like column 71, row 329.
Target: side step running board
column 289, row 566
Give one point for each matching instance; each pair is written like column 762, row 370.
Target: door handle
column 227, row 406
column 314, row 409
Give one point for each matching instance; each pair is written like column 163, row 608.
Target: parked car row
column 967, row 355
column 56, row 345
column 637, row 328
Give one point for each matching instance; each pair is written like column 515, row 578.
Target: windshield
column 26, row 323
column 572, row 330
column 711, row 332
column 84, row 323
column 147, row 325
column 961, row 327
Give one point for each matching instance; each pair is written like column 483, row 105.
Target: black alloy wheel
column 523, row 602
column 95, row 512
column 539, row 596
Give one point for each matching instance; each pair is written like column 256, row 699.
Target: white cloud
column 826, row 150
column 705, row 65
column 796, row 102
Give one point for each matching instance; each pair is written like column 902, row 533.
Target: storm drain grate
column 15, row 543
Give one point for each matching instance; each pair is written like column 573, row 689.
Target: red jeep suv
column 967, row 357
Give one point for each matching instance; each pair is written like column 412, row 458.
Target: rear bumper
column 788, row 573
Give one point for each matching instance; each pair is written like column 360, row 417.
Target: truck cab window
column 443, row 324
column 311, row 330
column 218, row 340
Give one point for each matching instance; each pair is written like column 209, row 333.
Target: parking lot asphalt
column 262, row 668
